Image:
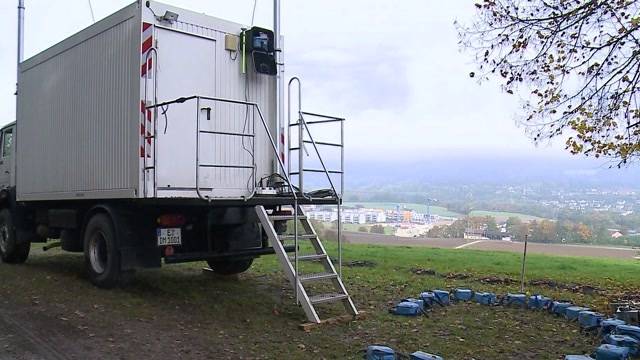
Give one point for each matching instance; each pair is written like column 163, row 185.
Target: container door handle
column 208, row 110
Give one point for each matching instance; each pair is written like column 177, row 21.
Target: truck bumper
column 203, row 256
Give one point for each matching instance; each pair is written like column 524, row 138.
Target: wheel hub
column 98, row 253
column 4, row 237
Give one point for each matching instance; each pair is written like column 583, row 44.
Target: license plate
column 170, row 236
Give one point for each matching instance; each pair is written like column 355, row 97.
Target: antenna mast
column 279, row 84
column 20, row 41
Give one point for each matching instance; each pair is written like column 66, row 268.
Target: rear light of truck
column 172, row 220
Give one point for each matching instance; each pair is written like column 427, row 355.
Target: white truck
column 148, row 137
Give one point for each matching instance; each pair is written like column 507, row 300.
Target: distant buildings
column 370, row 216
column 349, row 216
column 616, row 235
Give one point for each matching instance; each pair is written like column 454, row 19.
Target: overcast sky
column 392, row 68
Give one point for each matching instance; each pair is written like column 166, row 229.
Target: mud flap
column 134, row 251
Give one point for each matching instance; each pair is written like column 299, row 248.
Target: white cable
column 253, row 12
column 93, row 18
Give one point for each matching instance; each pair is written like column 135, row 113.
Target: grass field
column 388, row 230
column 435, row 210
column 502, row 216
column 253, row 316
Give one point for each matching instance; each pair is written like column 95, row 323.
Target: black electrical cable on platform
column 244, row 127
column 163, row 111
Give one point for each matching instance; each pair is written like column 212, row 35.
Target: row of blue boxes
column 620, row 341
column 381, row 352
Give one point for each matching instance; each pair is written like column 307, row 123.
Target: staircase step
column 327, row 298
column 309, row 257
column 317, row 277
column 285, row 217
column 300, row 237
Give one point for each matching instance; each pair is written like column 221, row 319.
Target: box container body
column 84, row 130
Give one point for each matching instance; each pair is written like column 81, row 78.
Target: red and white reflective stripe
column 282, row 145
column 147, row 44
column 146, row 64
column 145, row 126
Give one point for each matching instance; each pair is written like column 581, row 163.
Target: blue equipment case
column 519, row 300
column 572, row 312
column 612, row 352
column 485, row 298
column 380, row 352
column 559, row 307
column 407, row 308
column 539, row 302
column 608, row 326
column 589, row 319
column 419, row 355
column 463, row 294
column 429, row 298
column 442, row 297
column 624, row 341
column 630, row 330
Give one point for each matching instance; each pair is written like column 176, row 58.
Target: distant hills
column 470, row 169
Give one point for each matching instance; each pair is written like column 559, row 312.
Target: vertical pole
column 301, row 129
column 524, row 260
column 288, row 133
column 197, row 146
column 339, row 239
column 279, row 85
column 295, row 241
column 340, row 197
column 20, row 53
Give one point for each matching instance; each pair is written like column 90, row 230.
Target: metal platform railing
column 305, row 137
column 251, row 135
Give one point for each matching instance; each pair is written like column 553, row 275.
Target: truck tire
column 101, row 253
column 229, row 267
column 11, row 250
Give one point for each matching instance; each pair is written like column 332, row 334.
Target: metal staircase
column 304, row 282
column 290, row 264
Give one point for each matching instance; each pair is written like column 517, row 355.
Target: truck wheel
column 101, row 254
column 229, row 267
column 11, row 251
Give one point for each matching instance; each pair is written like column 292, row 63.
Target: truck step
column 300, row 237
column 309, row 257
column 285, row 217
column 327, row 298
column 317, row 276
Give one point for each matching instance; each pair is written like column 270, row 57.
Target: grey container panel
column 78, row 122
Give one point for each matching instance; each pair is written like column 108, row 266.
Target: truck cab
column 14, row 244
column 7, row 146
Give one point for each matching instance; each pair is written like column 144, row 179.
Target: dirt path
column 494, row 245
column 29, row 333
column 556, row 249
column 378, row 239
column 49, row 311
column 18, row 340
